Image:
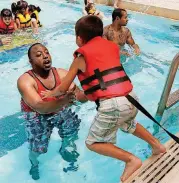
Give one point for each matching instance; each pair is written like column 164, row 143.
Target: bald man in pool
column 118, row 33
column 41, row 115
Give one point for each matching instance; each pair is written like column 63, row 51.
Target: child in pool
column 34, row 14
column 22, row 17
column 91, row 10
column 7, row 24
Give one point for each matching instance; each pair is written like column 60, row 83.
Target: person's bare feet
column 158, row 149
column 131, row 166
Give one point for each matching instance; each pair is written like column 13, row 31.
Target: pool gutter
column 162, row 8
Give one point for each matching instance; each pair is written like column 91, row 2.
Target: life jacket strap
column 100, row 79
column 102, row 73
column 145, row 112
column 106, row 84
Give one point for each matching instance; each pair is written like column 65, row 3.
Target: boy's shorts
column 39, row 128
column 112, row 114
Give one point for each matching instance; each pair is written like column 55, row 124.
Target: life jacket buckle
column 100, row 79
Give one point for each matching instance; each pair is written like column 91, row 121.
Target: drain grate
column 157, row 168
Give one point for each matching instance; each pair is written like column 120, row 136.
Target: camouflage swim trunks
column 39, row 127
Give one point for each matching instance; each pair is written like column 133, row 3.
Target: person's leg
column 130, row 126
column 33, row 157
column 34, row 170
column 127, row 124
column 38, row 132
column 138, row 130
column 68, row 124
column 102, row 134
column 132, row 162
column 142, row 133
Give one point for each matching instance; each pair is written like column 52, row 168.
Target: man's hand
column 6, row 40
column 70, row 98
column 125, row 53
column 137, row 51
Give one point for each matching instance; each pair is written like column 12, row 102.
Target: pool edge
column 144, row 8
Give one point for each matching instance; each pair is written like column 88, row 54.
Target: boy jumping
column 105, row 82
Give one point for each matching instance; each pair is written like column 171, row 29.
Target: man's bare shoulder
column 25, row 79
column 125, row 29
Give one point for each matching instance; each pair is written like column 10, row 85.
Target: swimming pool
column 159, row 42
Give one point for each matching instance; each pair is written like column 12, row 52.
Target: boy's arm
column 78, row 64
column 80, row 96
column 67, row 81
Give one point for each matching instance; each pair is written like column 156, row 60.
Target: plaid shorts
column 112, row 114
column 39, row 127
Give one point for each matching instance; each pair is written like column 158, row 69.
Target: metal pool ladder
column 167, row 100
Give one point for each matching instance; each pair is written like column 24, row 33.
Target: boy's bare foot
column 131, row 166
column 158, row 149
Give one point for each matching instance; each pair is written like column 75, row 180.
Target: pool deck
column 163, row 8
column 161, row 168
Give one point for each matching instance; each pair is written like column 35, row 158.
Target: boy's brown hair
column 89, row 27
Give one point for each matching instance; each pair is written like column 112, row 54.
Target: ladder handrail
column 167, row 86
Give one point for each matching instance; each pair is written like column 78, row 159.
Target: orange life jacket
column 41, row 87
column 104, row 76
column 6, row 29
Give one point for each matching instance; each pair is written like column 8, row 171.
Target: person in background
column 118, row 4
column 7, row 24
column 91, row 10
column 22, row 17
column 86, row 2
column 104, row 81
column 42, row 115
column 119, row 33
column 34, row 14
column 14, row 9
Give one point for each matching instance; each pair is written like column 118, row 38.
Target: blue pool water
column 158, row 39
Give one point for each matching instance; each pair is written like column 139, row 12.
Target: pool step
column 173, row 99
column 161, row 168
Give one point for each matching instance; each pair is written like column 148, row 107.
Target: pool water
column 158, row 39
